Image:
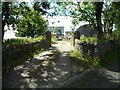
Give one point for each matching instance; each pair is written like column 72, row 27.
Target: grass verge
column 87, row 61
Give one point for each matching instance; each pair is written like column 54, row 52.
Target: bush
column 88, row 39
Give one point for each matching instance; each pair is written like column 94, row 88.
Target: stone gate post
column 76, row 36
column 48, row 36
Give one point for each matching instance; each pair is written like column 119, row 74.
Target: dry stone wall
column 98, row 50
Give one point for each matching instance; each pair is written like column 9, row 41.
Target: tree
column 101, row 15
column 5, row 15
column 98, row 6
column 60, row 9
column 10, row 15
column 31, row 25
column 116, row 14
column 41, row 7
column 13, row 13
column 90, row 12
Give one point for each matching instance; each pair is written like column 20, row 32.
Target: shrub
column 88, row 39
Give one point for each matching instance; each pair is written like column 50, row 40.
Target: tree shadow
column 30, row 74
column 93, row 79
column 115, row 67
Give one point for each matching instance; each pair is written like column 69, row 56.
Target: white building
column 62, row 23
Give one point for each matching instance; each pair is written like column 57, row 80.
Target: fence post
column 76, row 36
column 48, row 37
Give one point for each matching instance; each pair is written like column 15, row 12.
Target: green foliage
column 76, row 54
column 87, row 60
column 84, row 11
column 54, row 40
column 32, row 24
column 55, row 30
column 9, row 42
column 60, row 8
column 88, row 39
column 29, row 21
column 41, row 7
column 116, row 15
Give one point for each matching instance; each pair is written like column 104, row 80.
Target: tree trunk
column 3, row 24
column 5, row 14
column 98, row 17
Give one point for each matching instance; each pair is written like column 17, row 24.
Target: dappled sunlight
column 52, row 74
column 45, row 70
column 63, row 64
column 34, row 72
column 63, row 46
column 112, row 76
column 65, row 53
column 19, row 67
column 45, row 74
column 31, row 82
column 53, row 63
column 45, row 63
column 55, row 79
column 56, row 69
column 25, row 74
column 64, row 72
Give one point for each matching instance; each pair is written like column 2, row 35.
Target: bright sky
column 64, row 21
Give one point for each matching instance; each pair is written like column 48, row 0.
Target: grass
column 21, row 40
column 95, row 62
column 86, row 61
column 54, row 40
column 109, row 59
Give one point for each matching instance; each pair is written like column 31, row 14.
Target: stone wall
column 98, row 50
column 103, row 48
column 15, row 52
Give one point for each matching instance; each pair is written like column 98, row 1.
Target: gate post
column 48, row 36
column 76, row 36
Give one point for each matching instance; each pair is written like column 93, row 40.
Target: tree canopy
column 103, row 16
column 32, row 24
column 29, row 20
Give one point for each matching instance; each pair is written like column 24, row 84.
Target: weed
column 87, row 60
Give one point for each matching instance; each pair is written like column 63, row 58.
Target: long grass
column 54, row 40
column 91, row 62
column 21, row 40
